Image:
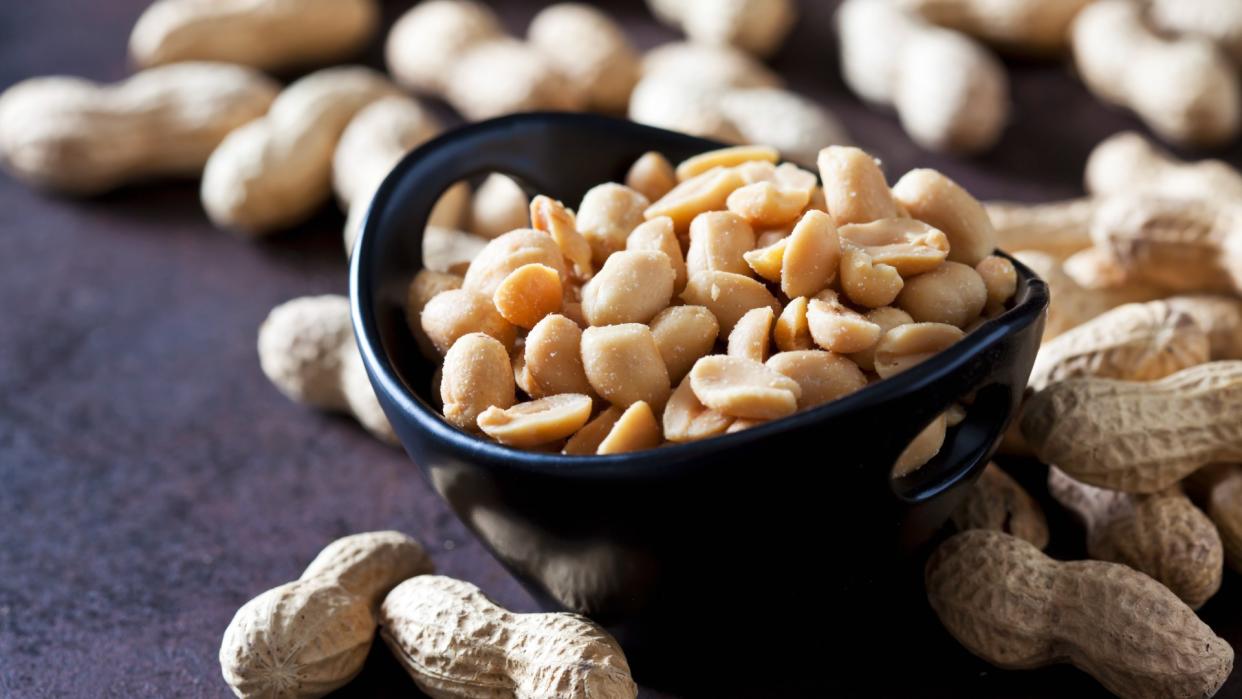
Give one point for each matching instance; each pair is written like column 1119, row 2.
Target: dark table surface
column 151, row 480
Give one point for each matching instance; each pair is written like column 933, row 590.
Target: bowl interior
column 562, row 156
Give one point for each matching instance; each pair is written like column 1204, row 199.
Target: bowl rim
column 380, row 366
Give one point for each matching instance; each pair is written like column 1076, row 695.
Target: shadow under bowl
column 783, row 540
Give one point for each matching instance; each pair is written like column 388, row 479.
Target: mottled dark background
column 151, row 480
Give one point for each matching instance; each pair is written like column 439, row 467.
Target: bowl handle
column 991, row 376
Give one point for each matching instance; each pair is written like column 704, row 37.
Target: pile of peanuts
column 706, row 299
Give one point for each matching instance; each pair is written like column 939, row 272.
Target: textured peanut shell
column 502, row 76
column 72, row 135
column 1220, row 317
column 297, row 641
column 1071, row 304
column 1138, row 437
column 1136, row 342
column 1183, row 87
column 269, row 35
column 591, row 50
column 276, row 171
column 758, row 27
column 1161, row 534
column 1128, row 163
column 1039, row 28
column 1224, row 507
column 307, row 349
column 792, row 123
column 374, row 141
column 428, row 39
column 996, row 501
column 1173, row 243
column 370, row 564
column 1059, row 228
column 1011, row 605
column 457, row 644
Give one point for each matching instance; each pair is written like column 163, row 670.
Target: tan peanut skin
column 276, row 171
column 267, row 34
column 1163, row 534
column 78, row 137
column 307, row 349
column 457, row 644
column 1138, row 437
column 996, row 501
column 1011, row 605
column 1135, row 342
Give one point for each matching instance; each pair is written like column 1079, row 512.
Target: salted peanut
column 719, row 241
column 909, row 246
column 658, row 235
column 683, row 334
column 766, row 204
column 607, row 215
column 708, row 191
column 553, row 358
column 766, row 261
column 498, row 206
column 686, row 419
column 837, row 328
column 934, row 199
column 724, row 157
column 624, row 365
column 791, row 331
column 1001, row 281
column 772, row 236
column 922, row 448
column 529, row 293
column 809, row 263
column 632, row 287
column 1138, row 436
column 822, row 376
column 912, row 343
column 866, row 282
column 587, row 440
column 651, row 175
column 451, row 314
column 476, row 375
column 743, row 388
column 521, row 375
column 508, row 252
column 818, row 201
column 740, row 424
column 855, row 190
column 424, row 287
column 728, row 296
column 635, row 429
column 887, row 318
column 1135, row 342
column 996, row 501
column 552, row 217
column 1162, row 534
column 749, row 338
column 952, row 293
column 536, row 422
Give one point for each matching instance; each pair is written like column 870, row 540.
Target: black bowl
column 792, row 531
